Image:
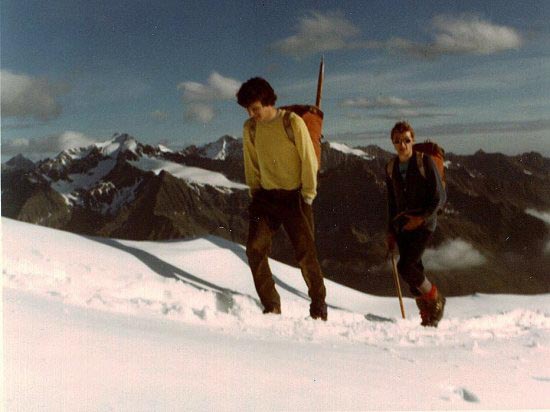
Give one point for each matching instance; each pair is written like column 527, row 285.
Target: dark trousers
column 412, row 245
column 268, row 211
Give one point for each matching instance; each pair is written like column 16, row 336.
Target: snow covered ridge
column 193, row 175
column 86, row 169
column 341, row 147
column 104, row 324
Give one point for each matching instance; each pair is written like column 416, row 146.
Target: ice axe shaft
column 397, row 285
column 320, row 80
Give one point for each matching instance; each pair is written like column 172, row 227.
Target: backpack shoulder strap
column 389, row 167
column 288, row 126
column 251, row 123
column 420, row 163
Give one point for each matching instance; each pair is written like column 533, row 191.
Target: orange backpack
column 313, row 118
column 431, row 149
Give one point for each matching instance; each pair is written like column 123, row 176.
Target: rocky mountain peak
column 123, row 138
column 19, row 162
column 121, row 143
column 220, row 149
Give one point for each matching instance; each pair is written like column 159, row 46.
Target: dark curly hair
column 256, row 89
column 402, row 127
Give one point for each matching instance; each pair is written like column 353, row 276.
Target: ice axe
column 320, row 80
column 397, row 286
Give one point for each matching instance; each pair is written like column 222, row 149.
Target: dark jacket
column 416, row 195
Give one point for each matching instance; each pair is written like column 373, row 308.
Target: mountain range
column 492, row 237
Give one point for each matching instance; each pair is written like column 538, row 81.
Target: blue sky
column 471, row 75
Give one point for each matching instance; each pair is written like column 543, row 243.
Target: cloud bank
column 45, row 145
column 399, row 108
column 29, row 97
column 472, row 35
column 317, row 33
column 453, row 254
column 198, row 98
column 379, row 102
column 545, row 217
column 466, row 34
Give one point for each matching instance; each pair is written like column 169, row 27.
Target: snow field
column 105, row 324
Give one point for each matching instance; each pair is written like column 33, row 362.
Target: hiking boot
column 431, row 307
column 274, row 310
column 318, row 311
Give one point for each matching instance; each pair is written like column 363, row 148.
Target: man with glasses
column 415, row 194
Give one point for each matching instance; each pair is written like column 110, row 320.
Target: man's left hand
column 414, row 222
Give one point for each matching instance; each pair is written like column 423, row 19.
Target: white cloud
column 403, row 114
column 199, row 112
column 401, row 108
column 465, row 34
column 317, row 33
column 471, row 34
column 46, row 145
column 216, row 88
column 159, row 115
column 26, row 96
column 379, row 102
column 453, row 254
column 199, row 97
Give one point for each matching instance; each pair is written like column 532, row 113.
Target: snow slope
column 193, row 175
column 341, row 147
column 103, row 324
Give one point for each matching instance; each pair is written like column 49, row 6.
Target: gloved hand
column 414, row 222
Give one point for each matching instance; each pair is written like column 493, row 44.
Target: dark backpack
column 313, row 118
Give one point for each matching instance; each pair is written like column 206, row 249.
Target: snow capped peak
column 121, row 142
column 218, row 150
column 164, row 149
column 123, row 138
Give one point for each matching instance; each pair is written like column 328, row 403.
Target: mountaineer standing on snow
column 415, row 194
column 282, row 177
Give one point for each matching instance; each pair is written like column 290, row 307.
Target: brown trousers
column 268, row 211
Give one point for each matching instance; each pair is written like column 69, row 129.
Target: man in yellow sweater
column 282, row 177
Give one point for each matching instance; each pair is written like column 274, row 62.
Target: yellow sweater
column 273, row 161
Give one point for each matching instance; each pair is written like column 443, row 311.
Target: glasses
column 406, row 141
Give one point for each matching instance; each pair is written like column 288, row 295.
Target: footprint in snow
column 541, row 378
column 460, row 393
column 375, row 318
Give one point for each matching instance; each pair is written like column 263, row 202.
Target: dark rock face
column 104, row 190
column 18, row 162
